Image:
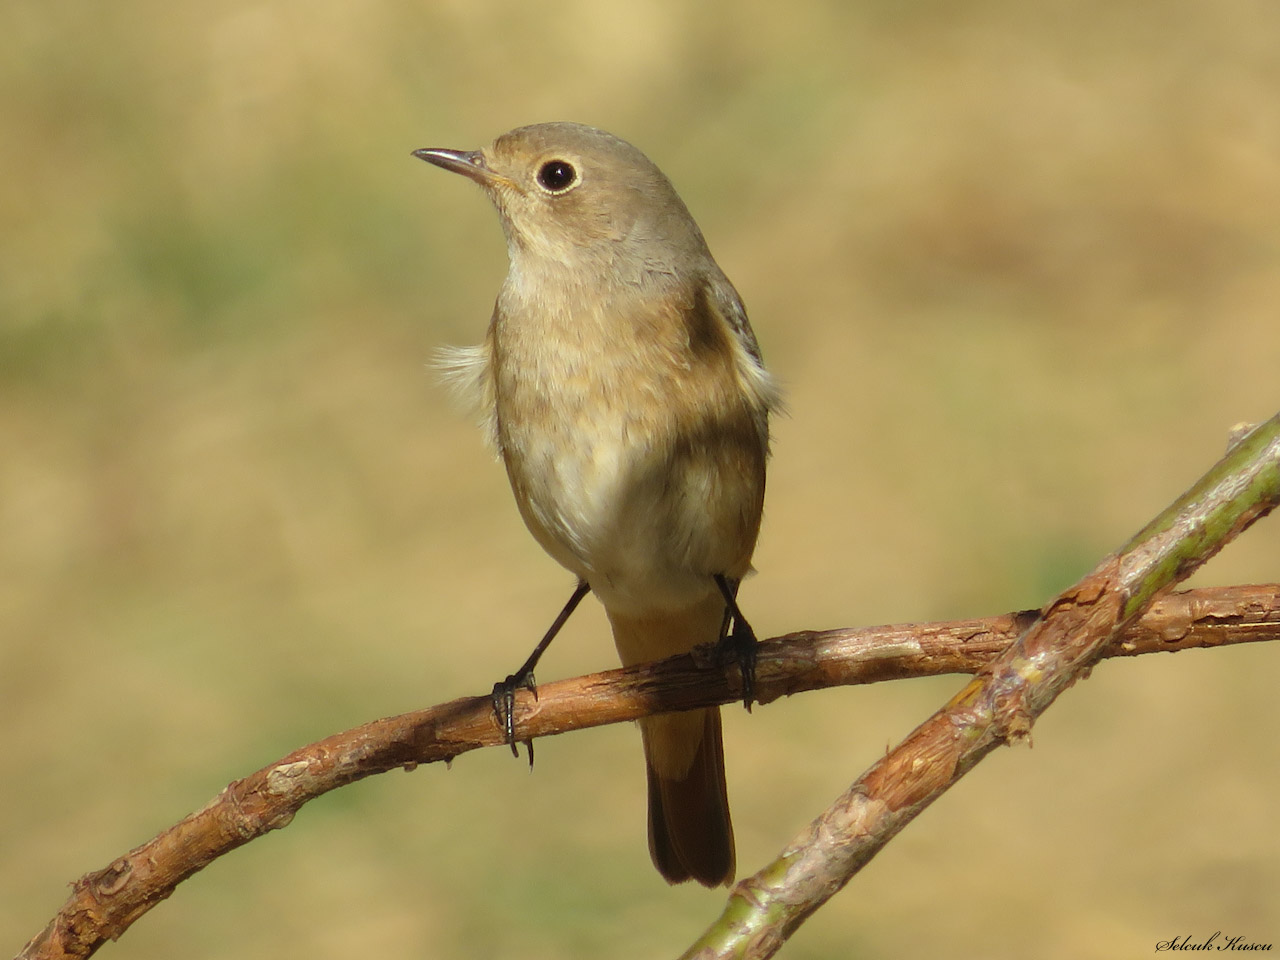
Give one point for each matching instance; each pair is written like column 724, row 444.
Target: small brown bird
column 624, row 389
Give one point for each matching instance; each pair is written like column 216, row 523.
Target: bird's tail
column 690, row 834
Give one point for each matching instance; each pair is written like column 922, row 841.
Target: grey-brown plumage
column 623, row 387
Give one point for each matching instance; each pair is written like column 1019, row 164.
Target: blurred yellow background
column 1017, row 265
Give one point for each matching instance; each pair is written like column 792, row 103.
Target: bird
column 623, row 388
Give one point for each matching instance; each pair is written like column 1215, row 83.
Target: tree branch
column 1091, row 620
column 105, row 903
column 1000, row 704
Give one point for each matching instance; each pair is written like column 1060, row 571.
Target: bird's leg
column 738, row 642
column 504, row 692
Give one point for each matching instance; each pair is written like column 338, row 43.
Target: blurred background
column 1017, row 266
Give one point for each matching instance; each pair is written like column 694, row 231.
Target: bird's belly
column 645, row 521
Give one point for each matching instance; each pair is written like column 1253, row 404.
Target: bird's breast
column 636, row 464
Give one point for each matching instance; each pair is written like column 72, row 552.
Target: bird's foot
column 738, row 641
column 504, row 708
column 739, row 646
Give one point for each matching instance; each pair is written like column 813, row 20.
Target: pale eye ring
column 557, row 176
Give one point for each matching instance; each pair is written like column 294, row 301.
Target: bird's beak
column 469, row 163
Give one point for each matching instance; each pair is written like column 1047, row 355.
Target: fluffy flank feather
column 761, row 384
column 466, row 372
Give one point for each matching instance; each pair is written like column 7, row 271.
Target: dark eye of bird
column 557, row 175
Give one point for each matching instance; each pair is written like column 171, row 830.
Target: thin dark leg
column 740, row 641
column 504, row 692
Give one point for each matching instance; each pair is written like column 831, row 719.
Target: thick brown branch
column 103, row 904
column 1000, row 704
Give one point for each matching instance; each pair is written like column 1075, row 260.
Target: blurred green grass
column 1017, row 266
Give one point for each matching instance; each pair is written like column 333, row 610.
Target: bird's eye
column 557, row 176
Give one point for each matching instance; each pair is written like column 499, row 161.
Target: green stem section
column 1239, row 489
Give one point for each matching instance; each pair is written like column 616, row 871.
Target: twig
column 103, row 904
column 993, row 709
column 1000, row 704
